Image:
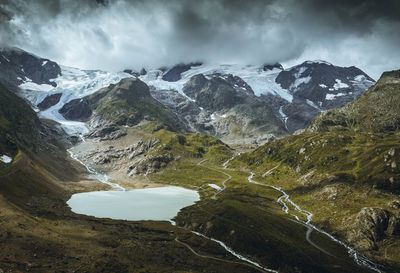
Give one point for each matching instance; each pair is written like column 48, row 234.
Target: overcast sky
column 118, row 34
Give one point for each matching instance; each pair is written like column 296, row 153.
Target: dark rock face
column 142, row 72
column 268, row 67
column 49, row 101
column 18, row 66
column 78, row 109
column 133, row 73
column 313, row 81
column 299, row 115
column 221, row 92
column 394, row 225
column 316, row 87
column 174, row 74
column 228, row 108
column 19, row 124
column 369, row 227
column 374, row 222
column 107, row 133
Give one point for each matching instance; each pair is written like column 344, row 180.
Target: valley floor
column 247, row 217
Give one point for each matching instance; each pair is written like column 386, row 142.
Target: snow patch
column 300, row 71
column 334, row 96
column 299, row 82
column 215, row 186
column 37, row 87
column 360, row 78
column 339, row 85
column 312, row 104
column 5, row 159
column 283, row 115
column 323, row 85
column 44, row 63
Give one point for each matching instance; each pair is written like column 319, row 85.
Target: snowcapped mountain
column 49, row 86
column 246, row 103
column 295, row 95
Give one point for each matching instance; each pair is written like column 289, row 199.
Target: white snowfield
column 5, row 159
column 262, row 82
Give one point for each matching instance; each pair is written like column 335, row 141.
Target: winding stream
column 102, row 177
column 284, row 200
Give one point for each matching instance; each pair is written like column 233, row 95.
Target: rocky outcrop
column 150, row 164
column 107, row 133
column 324, row 84
column 267, row 67
column 49, row 101
column 394, row 224
column 369, row 228
column 174, row 74
column 77, row 109
column 316, row 86
column 18, row 66
column 228, row 109
column 142, row 147
column 221, row 92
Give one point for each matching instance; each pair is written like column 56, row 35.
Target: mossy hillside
column 246, row 217
column 345, row 161
column 191, row 146
column 18, row 122
column 355, row 158
column 128, row 103
column 377, row 110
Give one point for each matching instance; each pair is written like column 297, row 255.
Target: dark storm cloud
column 118, row 34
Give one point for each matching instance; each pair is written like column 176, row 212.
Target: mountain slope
column 126, row 103
column 294, row 95
column 383, row 115
column 38, row 162
column 237, row 113
column 18, row 67
column 344, row 169
column 18, row 122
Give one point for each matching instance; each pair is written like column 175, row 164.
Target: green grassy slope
column 128, row 103
column 346, row 160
